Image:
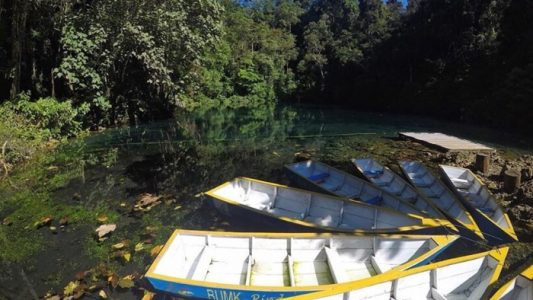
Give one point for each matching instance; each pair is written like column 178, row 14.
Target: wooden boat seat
column 335, row 266
column 199, row 271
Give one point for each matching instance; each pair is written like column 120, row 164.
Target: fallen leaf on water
column 177, row 207
column 155, row 251
column 102, row 294
column 127, row 256
column 139, row 247
column 105, row 229
column 126, row 282
column 113, row 280
column 102, row 218
column 81, row 275
column 63, row 221
column 44, row 221
column 54, row 297
column 146, row 202
column 120, row 245
column 71, row 286
column 148, row 295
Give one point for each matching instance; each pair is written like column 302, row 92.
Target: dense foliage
column 125, row 60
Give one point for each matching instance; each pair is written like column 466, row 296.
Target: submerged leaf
column 102, row 294
column 71, row 286
column 139, row 247
column 126, row 282
column 148, row 295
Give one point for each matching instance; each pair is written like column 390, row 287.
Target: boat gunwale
column 473, row 227
column 498, row 254
column 425, row 223
column 441, row 241
column 510, row 231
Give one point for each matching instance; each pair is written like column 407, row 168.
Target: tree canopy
column 131, row 61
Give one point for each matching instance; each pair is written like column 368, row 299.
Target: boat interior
column 521, row 288
column 392, row 183
column 318, row 209
column 430, row 186
column 461, row 281
column 476, row 193
column 345, row 185
column 285, row 261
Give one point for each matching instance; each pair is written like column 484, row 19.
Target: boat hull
column 203, row 292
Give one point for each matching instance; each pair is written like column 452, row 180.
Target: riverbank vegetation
column 130, row 61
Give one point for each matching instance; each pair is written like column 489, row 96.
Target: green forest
column 105, row 63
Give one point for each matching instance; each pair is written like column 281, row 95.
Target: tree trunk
column 18, row 28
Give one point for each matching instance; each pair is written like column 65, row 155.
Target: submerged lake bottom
column 149, row 180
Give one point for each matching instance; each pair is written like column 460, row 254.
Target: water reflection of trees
column 193, row 152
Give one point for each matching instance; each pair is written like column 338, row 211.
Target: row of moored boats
column 381, row 237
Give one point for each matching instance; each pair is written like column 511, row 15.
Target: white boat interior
column 476, row 193
column 313, row 208
column 520, row 288
column 467, row 280
column 391, row 182
column 434, row 189
column 345, row 185
column 248, row 259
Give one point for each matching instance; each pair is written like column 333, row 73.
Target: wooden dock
column 443, row 142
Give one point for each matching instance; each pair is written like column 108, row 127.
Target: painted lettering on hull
column 223, row 295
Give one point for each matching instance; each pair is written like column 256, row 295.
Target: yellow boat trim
column 498, row 254
column 440, row 240
column 425, row 222
column 527, row 273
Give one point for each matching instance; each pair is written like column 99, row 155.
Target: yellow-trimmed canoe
column 231, row 265
column 385, row 179
column 461, row 278
column 436, row 191
column 518, row 288
column 297, row 209
column 489, row 216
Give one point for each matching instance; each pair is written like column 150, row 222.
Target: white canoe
column 462, row 278
column 489, row 216
column 436, row 191
column 267, row 201
column 230, row 265
column 518, row 288
column 323, row 178
column 391, row 182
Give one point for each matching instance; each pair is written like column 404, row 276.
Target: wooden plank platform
column 443, row 142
